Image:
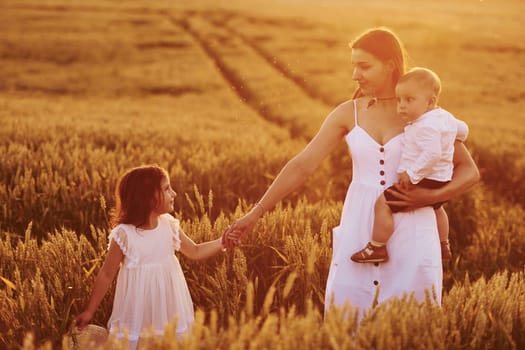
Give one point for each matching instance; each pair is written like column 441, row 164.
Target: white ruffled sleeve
column 121, row 237
column 175, row 232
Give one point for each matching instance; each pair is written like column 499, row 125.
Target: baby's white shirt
column 428, row 146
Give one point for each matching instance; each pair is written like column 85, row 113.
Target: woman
column 370, row 126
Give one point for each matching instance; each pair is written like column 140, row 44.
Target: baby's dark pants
column 425, row 183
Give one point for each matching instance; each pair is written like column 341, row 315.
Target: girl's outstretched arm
column 199, row 251
column 105, row 276
column 466, row 175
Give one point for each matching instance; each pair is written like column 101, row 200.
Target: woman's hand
column 466, row 175
column 229, row 239
column 413, row 198
column 236, row 232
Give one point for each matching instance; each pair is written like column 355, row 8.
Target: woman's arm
column 299, row 168
column 199, row 251
column 466, row 175
column 105, row 276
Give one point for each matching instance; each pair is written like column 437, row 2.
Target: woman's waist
column 380, row 182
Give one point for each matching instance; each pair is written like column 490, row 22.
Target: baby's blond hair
column 425, row 77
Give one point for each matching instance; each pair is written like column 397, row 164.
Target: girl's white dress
column 151, row 289
column 414, row 251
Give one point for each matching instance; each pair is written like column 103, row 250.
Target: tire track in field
column 233, row 79
column 258, row 84
column 278, row 65
column 61, row 9
column 301, row 124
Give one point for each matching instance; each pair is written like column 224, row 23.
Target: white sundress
column 151, row 290
column 414, row 251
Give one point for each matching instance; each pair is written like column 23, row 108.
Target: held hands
column 229, row 239
column 235, row 233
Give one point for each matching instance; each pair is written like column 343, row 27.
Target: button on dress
column 414, row 252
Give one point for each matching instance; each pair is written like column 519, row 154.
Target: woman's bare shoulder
column 348, row 104
column 344, row 113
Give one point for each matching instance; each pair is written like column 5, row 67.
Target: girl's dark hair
column 136, row 195
column 385, row 46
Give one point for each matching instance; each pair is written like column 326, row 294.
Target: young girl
column 151, row 290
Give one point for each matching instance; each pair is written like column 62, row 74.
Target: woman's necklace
column 378, row 99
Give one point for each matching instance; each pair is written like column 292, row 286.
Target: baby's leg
column 375, row 251
column 442, row 223
column 383, row 221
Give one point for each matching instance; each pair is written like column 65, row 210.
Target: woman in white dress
column 370, row 126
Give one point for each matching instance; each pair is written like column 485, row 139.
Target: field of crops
column 222, row 95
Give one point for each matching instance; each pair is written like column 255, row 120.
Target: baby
column 426, row 160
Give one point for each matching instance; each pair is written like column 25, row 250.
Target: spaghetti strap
column 355, row 113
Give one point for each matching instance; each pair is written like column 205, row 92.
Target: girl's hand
column 82, row 320
column 414, row 198
column 241, row 227
column 229, row 239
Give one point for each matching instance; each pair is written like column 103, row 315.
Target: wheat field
column 222, row 94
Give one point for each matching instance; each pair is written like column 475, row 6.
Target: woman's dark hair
column 385, row 46
column 136, row 195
